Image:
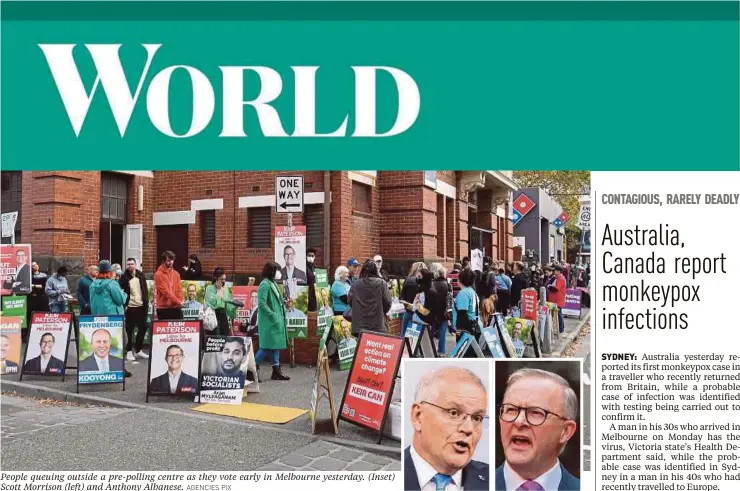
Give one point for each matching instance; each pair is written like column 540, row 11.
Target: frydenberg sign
column 111, row 79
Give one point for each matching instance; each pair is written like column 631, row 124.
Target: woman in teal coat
column 271, row 320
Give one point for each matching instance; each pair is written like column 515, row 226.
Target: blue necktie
column 441, row 481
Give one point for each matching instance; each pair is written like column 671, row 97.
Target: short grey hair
column 570, row 399
column 428, row 386
column 339, row 272
column 438, row 270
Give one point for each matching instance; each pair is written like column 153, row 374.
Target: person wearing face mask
column 379, row 262
column 219, row 298
column 311, row 275
column 271, row 320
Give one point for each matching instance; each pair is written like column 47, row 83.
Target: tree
column 565, row 187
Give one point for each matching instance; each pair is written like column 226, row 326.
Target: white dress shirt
column 425, row 472
column 174, row 379
column 550, row 480
column 103, row 364
column 44, row 363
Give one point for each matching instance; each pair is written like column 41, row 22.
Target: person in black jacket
column 133, row 283
column 518, row 283
column 408, row 294
column 427, row 308
column 443, row 291
column 193, row 270
column 311, row 278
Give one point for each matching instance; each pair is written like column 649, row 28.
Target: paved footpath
column 323, row 456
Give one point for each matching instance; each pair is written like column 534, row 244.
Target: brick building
column 227, row 218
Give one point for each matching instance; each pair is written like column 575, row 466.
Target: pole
column 292, row 340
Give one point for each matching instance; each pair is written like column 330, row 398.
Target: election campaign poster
column 371, row 379
column 322, row 277
column 346, row 344
column 290, row 253
column 500, row 323
column 194, row 293
column 152, row 301
column 10, row 344
column 246, row 317
column 529, row 304
column 100, row 350
column 48, row 342
column 224, row 369
column 296, row 312
column 325, row 314
column 174, row 360
column 476, row 260
column 490, row 343
column 522, row 333
column 15, row 269
column 466, row 347
column 572, row 307
column 15, row 306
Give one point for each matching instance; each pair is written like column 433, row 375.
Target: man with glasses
column 290, row 271
column 538, row 417
column 174, row 380
column 45, row 362
column 449, row 417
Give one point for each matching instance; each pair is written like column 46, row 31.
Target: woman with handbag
column 273, row 335
column 218, row 298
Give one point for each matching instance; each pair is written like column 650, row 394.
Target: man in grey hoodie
column 56, row 289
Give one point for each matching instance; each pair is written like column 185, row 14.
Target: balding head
column 449, row 415
column 430, row 384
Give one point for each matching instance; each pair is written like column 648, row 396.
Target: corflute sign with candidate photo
column 371, row 379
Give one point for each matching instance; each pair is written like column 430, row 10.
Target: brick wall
column 61, row 217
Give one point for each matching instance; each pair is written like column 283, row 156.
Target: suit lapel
column 474, row 478
column 410, row 480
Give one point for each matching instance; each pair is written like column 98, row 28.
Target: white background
column 61, row 339
column 189, row 363
column 707, row 230
column 415, row 368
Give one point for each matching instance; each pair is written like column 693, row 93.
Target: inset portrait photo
column 538, row 419
column 446, row 416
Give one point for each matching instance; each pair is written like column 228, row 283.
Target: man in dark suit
column 538, row 417
column 22, row 281
column 449, row 417
column 174, row 380
column 101, row 359
column 290, row 271
column 45, row 362
column 6, row 366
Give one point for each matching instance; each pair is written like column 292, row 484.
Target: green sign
column 322, row 278
column 346, row 351
column 15, row 306
column 297, row 327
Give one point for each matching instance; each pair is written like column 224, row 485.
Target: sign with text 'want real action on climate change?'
column 370, row 85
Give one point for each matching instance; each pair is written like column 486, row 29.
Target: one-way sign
column 289, row 194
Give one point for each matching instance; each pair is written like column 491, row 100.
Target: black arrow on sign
column 284, row 205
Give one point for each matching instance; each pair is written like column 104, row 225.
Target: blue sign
column 101, row 349
column 516, row 216
column 558, row 222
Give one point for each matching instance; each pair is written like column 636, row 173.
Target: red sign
column 15, row 269
column 248, row 296
column 564, row 217
column 529, row 304
column 523, row 204
column 367, row 395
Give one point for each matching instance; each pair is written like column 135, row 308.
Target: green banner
column 15, row 306
column 528, row 85
column 322, row 278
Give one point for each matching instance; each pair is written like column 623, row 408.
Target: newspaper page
column 428, row 245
